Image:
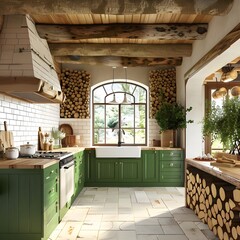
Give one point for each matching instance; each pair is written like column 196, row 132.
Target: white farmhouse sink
column 118, row 152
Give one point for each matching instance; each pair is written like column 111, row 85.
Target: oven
column 66, row 180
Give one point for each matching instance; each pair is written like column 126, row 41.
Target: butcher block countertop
column 25, row 163
column 228, row 174
column 29, row 163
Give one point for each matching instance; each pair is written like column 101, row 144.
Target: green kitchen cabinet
column 107, row 170
column 171, row 167
column 118, row 170
column 78, row 173
column 29, row 203
column 150, row 166
column 90, row 166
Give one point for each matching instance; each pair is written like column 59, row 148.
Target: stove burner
column 49, row 155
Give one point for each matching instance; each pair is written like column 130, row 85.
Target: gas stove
column 49, row 155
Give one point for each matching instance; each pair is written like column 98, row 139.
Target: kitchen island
column 213, row 193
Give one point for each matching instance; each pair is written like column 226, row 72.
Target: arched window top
column 104, row 93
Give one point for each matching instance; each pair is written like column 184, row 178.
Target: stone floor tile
column 155, row 230
column 158, row 212
column 192, row 231
column 70, row 231
column 89, row 226
column 209, row 234
column 186, row 217
column 172, row 229
column 125, row 210
column 117, row 226
column 147, row 237
column 173, row 237
column 117, row 235
column 93, row 218
column 87, row 235
column 146, row 221
column 158, row 203
column 166, row 221
column 141, row 197
column 77, row 215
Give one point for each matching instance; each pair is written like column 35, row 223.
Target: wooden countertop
column 228, row 174
column 26, row 163
column 29, row 163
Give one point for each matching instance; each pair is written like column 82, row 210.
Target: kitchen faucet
column 120, row 137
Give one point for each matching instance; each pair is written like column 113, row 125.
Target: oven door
column 66, row 183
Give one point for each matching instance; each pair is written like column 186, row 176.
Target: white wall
column 24, row 119
column 218, row 28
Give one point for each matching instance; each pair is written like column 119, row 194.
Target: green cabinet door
column 29, row 203
column 150, row 166
column 90, row 166
column 129, row 170
column 107, row 170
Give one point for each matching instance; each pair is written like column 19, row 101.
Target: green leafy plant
column 172, row 116
column 223, row 122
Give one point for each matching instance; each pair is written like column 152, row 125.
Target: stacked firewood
column 215, row 202
column 76, row 86
column 162, row 88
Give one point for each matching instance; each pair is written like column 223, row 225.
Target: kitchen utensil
column 66, row 128
column 27, row 149
column 71, row 141
column 12, row 153
column 40, row 139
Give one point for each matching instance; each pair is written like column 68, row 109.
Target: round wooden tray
column 66, row 128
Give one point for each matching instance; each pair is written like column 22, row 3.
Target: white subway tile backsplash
column 24, row 118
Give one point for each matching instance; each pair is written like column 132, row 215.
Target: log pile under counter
column 213, row 194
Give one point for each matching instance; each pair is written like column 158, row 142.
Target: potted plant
column 171, row 117
column 223, row 123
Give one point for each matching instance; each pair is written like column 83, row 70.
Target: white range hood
column 26, row 66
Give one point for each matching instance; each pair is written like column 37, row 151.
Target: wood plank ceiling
column 120, row 32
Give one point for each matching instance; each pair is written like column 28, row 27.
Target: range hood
column 27, row 68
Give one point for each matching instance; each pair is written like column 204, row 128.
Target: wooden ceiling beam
column 122, row 50
column 115, row 7
column 60, row 33
column 218, row 49
column 120, row 61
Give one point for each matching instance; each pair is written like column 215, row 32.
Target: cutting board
column 217, row 164
column 7, row 138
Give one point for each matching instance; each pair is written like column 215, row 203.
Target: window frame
column 145, row 104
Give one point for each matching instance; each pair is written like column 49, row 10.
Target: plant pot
column 167, row 138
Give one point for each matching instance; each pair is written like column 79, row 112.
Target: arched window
column 119, row 114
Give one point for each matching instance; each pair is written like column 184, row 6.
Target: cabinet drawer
column 171, row 165
column 176, row 177
column 51, row 173
column 171, row 155
column 51, row 192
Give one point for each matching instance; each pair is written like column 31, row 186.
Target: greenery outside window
column 121, row 123
column 216, row 145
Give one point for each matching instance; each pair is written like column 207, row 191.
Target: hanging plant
column 223, row 123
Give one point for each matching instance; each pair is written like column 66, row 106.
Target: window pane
column 99, row 136
column 127, row 115
column 99, row 116
column 140, row 136
column 99, row 95
column 128, row 136
column 140, row 116
column 112, row 116
column 111, row 136
column 140, row 95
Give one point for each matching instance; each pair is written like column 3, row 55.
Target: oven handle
column 69, row 165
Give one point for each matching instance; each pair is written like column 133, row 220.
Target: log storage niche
column 215, row 201
column 162, row 87
column 76, row 86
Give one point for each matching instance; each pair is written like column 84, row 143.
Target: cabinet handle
column 51, row 190
column 171, row 164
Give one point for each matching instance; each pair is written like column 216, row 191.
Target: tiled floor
column 131, row 214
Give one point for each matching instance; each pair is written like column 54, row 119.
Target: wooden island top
column 228, row 174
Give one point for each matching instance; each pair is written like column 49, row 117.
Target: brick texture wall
column 24, row 118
